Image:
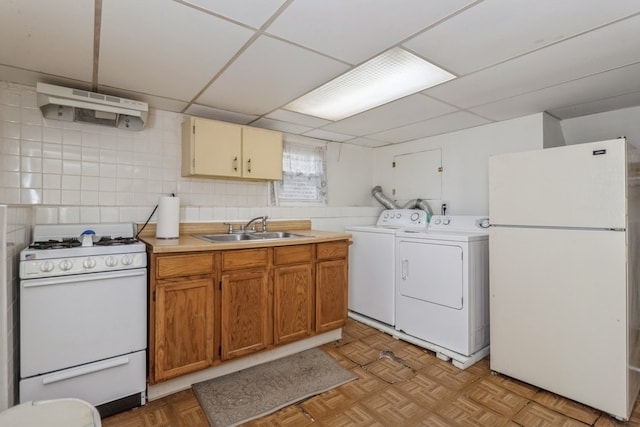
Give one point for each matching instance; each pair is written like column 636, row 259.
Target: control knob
column 127, row 260
column 446, row 221
column 65, row 265
column 89, row 263
column 111, row 261
column 46, row 266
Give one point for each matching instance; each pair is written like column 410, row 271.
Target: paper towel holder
column 150, row 216
column 168, row 221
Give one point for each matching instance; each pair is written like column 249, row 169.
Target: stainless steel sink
column 258, row 235
column 273, row 235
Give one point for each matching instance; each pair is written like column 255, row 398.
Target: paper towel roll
column 168, row 226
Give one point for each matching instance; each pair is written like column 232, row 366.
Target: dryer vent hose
column 386, row 202
column 418, row 204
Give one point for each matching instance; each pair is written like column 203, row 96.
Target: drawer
column 292, row 254
column 235, row 260
column 97, row 383
column 184, row 265
column 329, row 250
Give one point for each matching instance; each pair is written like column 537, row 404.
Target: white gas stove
column 83, row 315
column 66, row 249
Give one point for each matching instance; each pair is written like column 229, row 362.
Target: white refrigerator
column 564, row 260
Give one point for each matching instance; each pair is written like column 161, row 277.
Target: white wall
column 465, row 157
column 350, row 174
column 601, row 126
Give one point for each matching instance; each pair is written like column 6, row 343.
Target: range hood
column 74, row 105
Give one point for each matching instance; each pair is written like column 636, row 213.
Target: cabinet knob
column 235, row 164
column 249, row 165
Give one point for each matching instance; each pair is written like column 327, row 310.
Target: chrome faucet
column 262, row 218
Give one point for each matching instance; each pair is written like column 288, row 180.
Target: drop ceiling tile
column 217, row 114
column 602, row 85
column 410, row 109
column 329, row 136
column 297, row 118
column 365, row 142
column 280, row 126
column 436, row 126
column 356, row 30
column 597, row 51
column 598, row 106
column 173, row 53
column 250, row 12
column 48, row 37
column 460, row 43
column 269, row 74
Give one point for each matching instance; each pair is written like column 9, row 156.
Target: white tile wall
column 72, row 172
column 18, row 221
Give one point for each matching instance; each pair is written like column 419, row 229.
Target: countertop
column 188, row 242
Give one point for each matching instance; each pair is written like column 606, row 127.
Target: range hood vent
column 74, row 105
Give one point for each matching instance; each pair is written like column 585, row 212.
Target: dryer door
column 430, row 272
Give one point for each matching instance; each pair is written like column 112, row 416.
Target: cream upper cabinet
column 220, row 149
column 261, row 153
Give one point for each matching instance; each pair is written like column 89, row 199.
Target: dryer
column 442, row 283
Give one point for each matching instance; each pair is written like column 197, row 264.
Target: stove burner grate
column 108, row 241
column 55, row 244
column 74, row 242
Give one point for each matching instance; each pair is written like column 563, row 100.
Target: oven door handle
column 78, row 278
column 84, row 370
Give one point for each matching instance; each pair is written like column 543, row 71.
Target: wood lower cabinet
column 208, row 307
column 184, row 306
column 293, row 293
column 182, row 315
column 246, row 302
column 331, row 285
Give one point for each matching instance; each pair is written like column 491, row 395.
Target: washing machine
column 442, row 283
column 372, row 263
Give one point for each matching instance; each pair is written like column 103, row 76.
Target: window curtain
column 304, row 170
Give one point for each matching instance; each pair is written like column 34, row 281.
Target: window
column 304, row 175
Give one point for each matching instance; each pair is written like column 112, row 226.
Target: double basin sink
column 251, row 236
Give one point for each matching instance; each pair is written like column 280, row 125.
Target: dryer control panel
column 403, row 218
column 459, row 223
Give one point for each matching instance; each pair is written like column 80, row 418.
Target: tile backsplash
column 88, row 173
column 81, row 173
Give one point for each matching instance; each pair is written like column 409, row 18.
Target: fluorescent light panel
column 392, row 75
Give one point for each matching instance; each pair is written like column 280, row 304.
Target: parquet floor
column 399, row 384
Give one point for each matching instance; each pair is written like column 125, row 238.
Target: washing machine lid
column 370, row 229
column 448, row 236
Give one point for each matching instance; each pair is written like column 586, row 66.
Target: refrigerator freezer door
column 581, row 185
column 558, row 312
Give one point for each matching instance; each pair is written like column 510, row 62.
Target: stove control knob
column 111, row 261
column 127, row 260
column 47, row 266
column 65, row 265
column 89, row 263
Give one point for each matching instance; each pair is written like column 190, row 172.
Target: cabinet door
column 183, row 327
column 262, row 154
column 245, row 313
column 331, row 294
column 293, row 305
column 217, row 148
